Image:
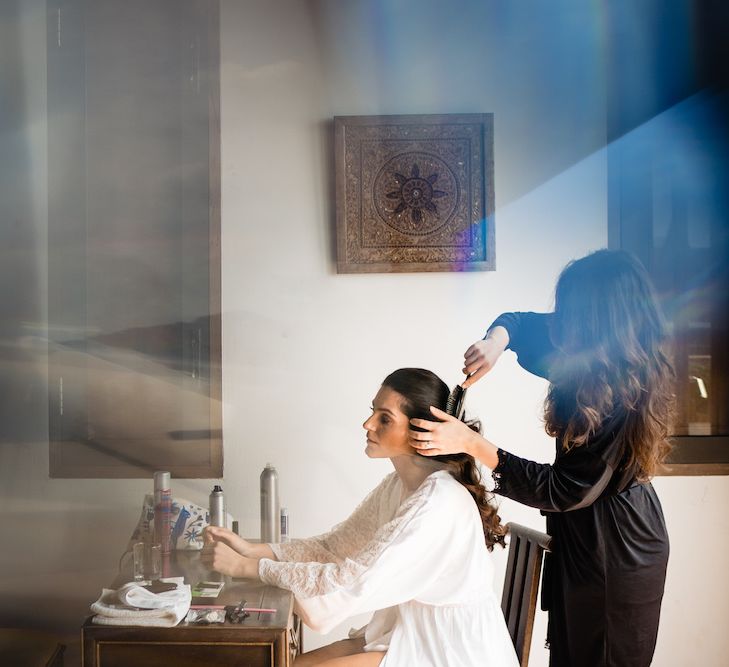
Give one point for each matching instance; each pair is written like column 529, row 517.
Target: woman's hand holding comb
column 480, row 358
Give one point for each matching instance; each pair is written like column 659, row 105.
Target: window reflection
column 669, row 204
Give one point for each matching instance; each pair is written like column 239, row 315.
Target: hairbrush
column 454, row 404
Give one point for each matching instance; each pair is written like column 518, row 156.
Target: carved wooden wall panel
column 414, row 193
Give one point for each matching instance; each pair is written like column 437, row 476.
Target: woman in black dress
column 609, row 406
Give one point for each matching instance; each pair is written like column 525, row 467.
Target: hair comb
column 454, row 404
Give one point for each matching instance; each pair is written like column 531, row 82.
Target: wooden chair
column 521, row 585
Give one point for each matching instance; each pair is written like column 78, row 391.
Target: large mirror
column 133, row 219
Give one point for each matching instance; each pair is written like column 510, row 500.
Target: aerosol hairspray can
column 217, row 507
column 270, row 517
column 163, row 510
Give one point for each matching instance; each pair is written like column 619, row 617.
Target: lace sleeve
column 304, row 550
column 346, row 538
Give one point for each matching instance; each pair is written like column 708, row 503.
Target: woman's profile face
column 387, row 428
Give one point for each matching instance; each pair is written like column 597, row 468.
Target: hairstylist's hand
column 220, row 557
column 480, row 358
column 448, row 436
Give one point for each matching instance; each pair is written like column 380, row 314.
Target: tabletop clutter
column 154, row 598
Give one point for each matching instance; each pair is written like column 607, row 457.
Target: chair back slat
column 528, row 602
column 518, row 585
column 509, row 576
column 521, row 585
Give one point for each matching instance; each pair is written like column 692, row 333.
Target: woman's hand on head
column 447, row 436
column 480, row 358
column 222, row 558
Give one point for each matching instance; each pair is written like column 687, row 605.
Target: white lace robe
column 421, row 565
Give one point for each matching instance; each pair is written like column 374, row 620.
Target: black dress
column 603, row 582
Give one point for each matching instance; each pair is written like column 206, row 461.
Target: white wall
column 304, row 349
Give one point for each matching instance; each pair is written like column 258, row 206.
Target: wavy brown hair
column 611, row 366
column 420, row 389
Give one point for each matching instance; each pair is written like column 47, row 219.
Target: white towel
column 134, row 605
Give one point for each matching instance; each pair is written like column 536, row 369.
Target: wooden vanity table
column 262, row 639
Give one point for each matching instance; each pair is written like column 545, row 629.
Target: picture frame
column 414, row 193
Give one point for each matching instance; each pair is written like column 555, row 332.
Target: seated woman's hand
column 235, row 542
column 447, row 436
column 222, row 558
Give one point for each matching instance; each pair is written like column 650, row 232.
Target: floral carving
column 416, row 193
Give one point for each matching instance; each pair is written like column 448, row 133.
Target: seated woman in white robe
column 415, row 552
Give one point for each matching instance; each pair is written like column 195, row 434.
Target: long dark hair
column 420, row 389
column 611, row 364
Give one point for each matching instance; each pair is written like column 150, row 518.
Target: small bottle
column 217, row 507
column 284, row 524
column 270, row 517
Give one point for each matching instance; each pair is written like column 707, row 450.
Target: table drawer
column 184, row 654
column 185, row 646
